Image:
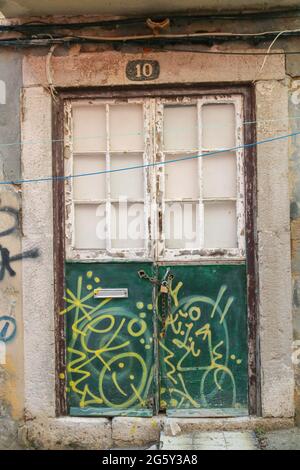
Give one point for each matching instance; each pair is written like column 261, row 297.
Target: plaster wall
column 294, row 179
column 117, row 7
column 11, row 323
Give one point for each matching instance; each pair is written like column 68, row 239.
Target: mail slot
column 111, row 293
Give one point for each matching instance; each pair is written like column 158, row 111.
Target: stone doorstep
column 126, row 432
column 141, row 431
column 177, row 426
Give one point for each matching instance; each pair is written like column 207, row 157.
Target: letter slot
column 111, row 293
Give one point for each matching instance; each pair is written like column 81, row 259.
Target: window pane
column 181, row 225
column 126, row 127
column 218, row 126
column 181, row 178
column 220, row 225
column 89, row 226
column 127, row 225
column 219, row 175
column 128, row 183
column 89, row 128
column 180, row 128
column 89, row 187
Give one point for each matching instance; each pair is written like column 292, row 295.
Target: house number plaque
column 142, row 70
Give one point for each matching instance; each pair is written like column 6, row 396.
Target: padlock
column 164, row 289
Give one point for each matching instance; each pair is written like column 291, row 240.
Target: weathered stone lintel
column 109, row 68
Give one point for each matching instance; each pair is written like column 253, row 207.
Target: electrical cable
column 238, row 53
column 146, row 37
column 276, row 14
column 163, row 48
column 148, row 165
column 209, row 34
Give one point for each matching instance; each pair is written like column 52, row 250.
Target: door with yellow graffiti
column 110, row 341
column 155, row 273
column 203, row 338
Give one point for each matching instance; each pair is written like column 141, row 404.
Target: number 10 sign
column 142, row 70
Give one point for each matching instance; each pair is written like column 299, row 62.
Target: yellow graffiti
column 190, row 331
column 167, row 361
column 110, row 349
column 98, row 333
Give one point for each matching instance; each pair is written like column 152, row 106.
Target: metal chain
column 163, row 314
column 166, row 301
column 165, row 288
column 143, row 275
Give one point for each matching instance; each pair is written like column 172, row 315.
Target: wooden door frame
column 58, row 133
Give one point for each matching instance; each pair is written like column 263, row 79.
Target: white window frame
column 165, row 254
column 109, row 253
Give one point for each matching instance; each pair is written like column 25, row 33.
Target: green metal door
column 110, row 342
column 156, row 319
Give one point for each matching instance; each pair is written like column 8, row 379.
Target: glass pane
column 220, row 225
column 127, row 225
column 218, row 126
column 181, row 225
column 180, row 128
column 128, row 183
column 219, row 175
column 181, row 178
column 126, row 127
column 89, row 187
column 89, row 128
column 89, row 226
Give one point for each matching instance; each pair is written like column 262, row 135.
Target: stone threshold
column 122, row 432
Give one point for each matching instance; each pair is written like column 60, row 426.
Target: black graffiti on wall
column 5, row 257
